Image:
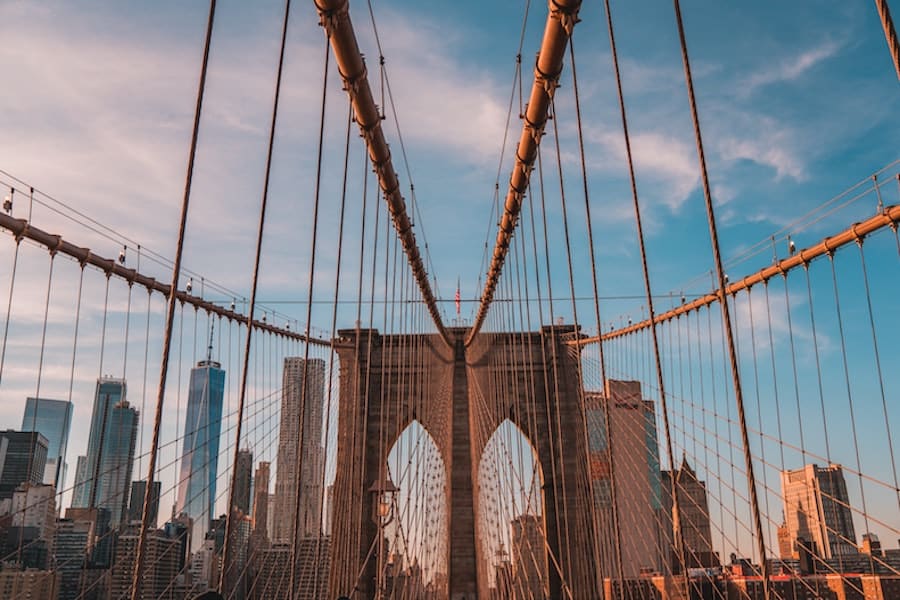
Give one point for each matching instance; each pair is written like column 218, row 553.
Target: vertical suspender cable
column 229, row 525
column 37, row 393
column 312, row 271
column 12, row 289
column 881, row 386
column 617, row 536
column 726, row 317
column 332, row 354
column 170, row 313
column 592, row 524
column 890, row 33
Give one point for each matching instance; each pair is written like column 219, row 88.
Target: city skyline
column 627, row 397
column 626, row 392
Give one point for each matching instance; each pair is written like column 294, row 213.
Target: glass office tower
column 103, row 476
column 200, row 451
column 53, row 419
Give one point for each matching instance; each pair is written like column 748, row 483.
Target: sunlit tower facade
column 627, row 448
column 817, row 511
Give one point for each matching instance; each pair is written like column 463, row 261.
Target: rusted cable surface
column 890, row 34
column 21, row 229
column 727, row 326
column 137, row 581
column 888, row 218
column 335, row 18
column 645, row 271
column 561, row 20
column 231, row 514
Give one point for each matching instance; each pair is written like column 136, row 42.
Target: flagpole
column 457, row 300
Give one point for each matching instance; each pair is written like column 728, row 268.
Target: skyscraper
column 312, row 458
column 270, row 517
column 158, row 580
column 817, row 511
column 103, row 476
column 136, row 502
column 73, row 540
column 53, row 418
column 34, row 505
column 693, row 504
column 23, row 459
column 261, row 501
column 80, row 487
column 200, row 451
column 633, row 457
column 243, row 483
column 100, row 542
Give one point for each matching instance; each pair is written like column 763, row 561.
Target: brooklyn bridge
column 278, row 373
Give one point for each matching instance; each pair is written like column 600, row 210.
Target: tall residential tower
column 295, row 368
column 696, row 529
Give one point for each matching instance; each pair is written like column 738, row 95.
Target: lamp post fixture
column 383, row 498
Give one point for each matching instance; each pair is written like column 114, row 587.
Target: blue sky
column 797, row 103
column 795, row 106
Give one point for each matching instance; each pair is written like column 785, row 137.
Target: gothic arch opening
column 412, row 559
column 510, row 517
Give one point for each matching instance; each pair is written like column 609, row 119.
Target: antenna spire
column 212, row 328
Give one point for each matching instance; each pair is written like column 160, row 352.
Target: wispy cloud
column 770, row 149
column 665, row 164
column 791, row 68
column 441, row 101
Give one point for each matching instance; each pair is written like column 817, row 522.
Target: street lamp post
column 383, row 498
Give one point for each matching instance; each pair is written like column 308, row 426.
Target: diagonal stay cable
column 229, row 525
column 726, row 318
column 170, row 314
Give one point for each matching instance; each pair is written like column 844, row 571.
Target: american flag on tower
column 457, row 296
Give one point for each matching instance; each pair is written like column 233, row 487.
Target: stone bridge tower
column 436, row 384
